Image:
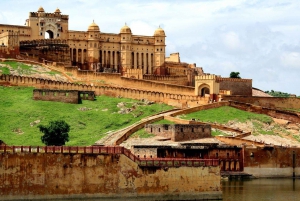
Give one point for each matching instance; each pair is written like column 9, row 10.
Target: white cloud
column 259, row 39
column 291, row 59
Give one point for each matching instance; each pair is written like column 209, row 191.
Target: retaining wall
column 40, row 176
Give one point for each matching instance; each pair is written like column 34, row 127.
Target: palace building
column 91, row 49
column 46, row 38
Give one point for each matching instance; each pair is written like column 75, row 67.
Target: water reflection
column 262, row 189
column 250, row 190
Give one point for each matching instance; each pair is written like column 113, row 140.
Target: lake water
column 252, row 190
column 262, row 190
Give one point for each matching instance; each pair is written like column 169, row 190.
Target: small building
column 66, row 96
column 180, row 132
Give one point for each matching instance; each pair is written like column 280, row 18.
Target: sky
column 258, row 38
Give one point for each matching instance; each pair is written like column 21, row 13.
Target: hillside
column 262, row 127
column 89, row 121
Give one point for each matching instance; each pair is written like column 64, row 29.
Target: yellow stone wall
column 40, row 176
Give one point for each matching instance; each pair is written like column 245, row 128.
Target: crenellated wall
column 175, row 79
column 179, row 100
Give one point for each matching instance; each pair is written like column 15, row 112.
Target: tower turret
column 126, row 37
column 159, row 52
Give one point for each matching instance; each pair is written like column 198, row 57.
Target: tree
column 56, row 133
column 235, row 75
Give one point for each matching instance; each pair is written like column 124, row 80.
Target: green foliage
column 19, row 114
column 142, row 134
column 215, row 132
column 235, row 75
column 5, row 70
column 277, row 93
column 224, row 114
column 56, row 133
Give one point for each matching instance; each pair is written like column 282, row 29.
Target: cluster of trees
column 235, row 75
column 278, row 93
column 56, row 133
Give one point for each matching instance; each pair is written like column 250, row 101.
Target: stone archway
column 204, row 89
column 49, row 34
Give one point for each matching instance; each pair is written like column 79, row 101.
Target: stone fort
column 46, row 38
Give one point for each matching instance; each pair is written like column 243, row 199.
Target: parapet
column 220, row 79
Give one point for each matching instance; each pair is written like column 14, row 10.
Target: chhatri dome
column 125, row 29
column 93, row 27
column 41, row 9
column 57, row 10
column 159, row 32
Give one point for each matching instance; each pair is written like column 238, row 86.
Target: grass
column 142, row 134
column 216, row 132
column 18, row 111
column 23, row 69
column 5, row 70
column 224, row 114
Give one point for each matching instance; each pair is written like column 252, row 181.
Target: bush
column 56, row 133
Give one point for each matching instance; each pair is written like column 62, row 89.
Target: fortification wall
column 272, row 161
column 168, row 98
column 28, row 176
column 268, row 102
column 276, row 113
column 236, row 86
column 176, row 79
column 201, row 107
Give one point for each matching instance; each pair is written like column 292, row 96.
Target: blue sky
column 260, row 39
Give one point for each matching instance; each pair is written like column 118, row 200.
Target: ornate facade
column 92, row 49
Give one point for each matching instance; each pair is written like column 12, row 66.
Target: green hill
column 89, row 121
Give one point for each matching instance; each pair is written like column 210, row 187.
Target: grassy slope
column 224, row 114
column 21, row 68
column 18, row 110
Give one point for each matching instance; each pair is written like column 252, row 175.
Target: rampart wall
column 201, row 107
column 168, row 98
column 268, row 102
column 236, row 86
column 276, row 113
column 40, row 176
column 172, row 79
